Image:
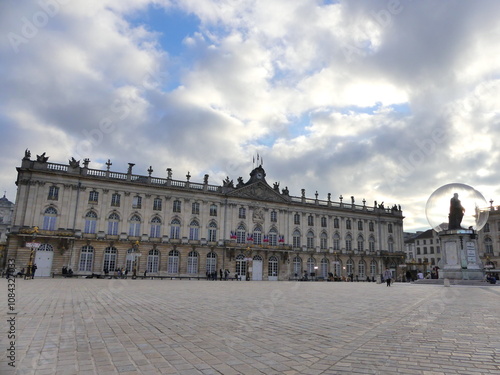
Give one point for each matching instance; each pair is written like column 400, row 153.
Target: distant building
column 6, row 213
column 489, row 241
column 95, row 220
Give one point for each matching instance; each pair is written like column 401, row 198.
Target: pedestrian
column 220, row 273
column 226, row 274
column 33, row 270
column 388, row 276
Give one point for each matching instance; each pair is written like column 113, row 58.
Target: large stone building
column 91, row 220
column 6, row 213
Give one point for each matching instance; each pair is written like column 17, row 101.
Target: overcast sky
column 380, row 100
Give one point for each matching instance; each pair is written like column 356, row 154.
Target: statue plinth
column 460, row 258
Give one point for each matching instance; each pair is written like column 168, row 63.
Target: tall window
column 486, row 228
column 135, row 226
column 272, row 268
column 213, row 210
column 90, row 222
column 273, row 237
column 310, row 240
column 323, row 222
column 212, row 231
column 53, row 193
column 173, row 262
column 360, row 225
column 175, row 229
column 137, row 202
column 371, row 226
column 49, row 219
column 336, row 241
column 153, row 261
column 86, row 259
column 93, row 196
column 115, row 200
column 390, row 245
column 109, row 259
column 371, row 243
column 241, row 234
column 274, row 216
column 241, row 265
column 324, row 268
column 336, row 223
column 389, row 228
column 195, row 208
column 323, row 241
column 157, row 204
column 361, row 243
column 310, row 220
column 296, row 219
column 257, row 235
column 155, row 227
column 297, row 266
column 296, row 239
column 337, row 268
column 373, row 268
column 488, row 245
column 113, row 220
column 211, row 262
column 194, row 230
column 192, row 265
column 242, row 213
column 310, row 265
column 348, row 224
column 348, row 243
column 176, row 206
column 361, row 269
column 349, row 267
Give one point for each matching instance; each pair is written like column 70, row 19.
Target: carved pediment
column 258, row 191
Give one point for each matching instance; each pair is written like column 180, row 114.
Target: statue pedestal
column 460, row 258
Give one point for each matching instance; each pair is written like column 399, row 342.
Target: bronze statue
column 456, row 213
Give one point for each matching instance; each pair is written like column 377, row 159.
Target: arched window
column 90, row 222
column 86, row 259
column 173, row 262
column 349, row 267
column 194, row 230
column 361, row 243
column 49, row 219
column 336, row 242
column 211, row 262
column 192, row 265
column 241, row 234
column 310, row 265
column 113, row 221
column 348, row 242
column 297, row 266
column 109, row 259
column 362, row 270
column 371, row 244
column 175, row 229
column 135, row 226
column 153, row 261
column 296, row 238
column 257, row 235
column 212, row 231
column 273, row 237
column 337, row 268
column 310, row 240
column 272, row 266
column 488, row 245
column 155, row 227
column 324, row 268
column 373, row 268
column 323, row 241
column 241, row 265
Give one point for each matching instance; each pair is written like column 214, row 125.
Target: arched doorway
column 43, row 260
column 257, row 268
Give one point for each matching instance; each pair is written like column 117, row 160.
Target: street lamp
column 33, row 246
column 135, row 254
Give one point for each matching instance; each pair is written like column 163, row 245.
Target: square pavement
column 96, row 326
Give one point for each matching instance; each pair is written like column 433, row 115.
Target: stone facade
column 89, row 219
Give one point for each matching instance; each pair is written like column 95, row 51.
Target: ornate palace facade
column 94, row 220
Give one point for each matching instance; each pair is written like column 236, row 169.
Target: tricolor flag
column 233, row 235
column 266, row 239
column 282, row 239
column 250, row 237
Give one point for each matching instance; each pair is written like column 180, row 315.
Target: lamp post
column 33, row 246
column 135, row 253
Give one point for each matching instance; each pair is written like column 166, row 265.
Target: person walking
column 33, row 270
column 388, row 276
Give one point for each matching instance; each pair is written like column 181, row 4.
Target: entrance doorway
column 257, row 268
column 43, row 260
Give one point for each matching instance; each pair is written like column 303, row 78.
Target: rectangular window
column 310, row 220
column 296, row 219
column 212, row 234
column 137, row 202
column 157, row 204
column 323, row 222
column 93, row 197
column 242, row 213
column 53, row 193
column 195, row 208
column 115, row 200
column 360, row 225
column 213, row 210
column 177, row 206
column 274, row 216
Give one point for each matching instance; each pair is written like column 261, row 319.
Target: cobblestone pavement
column 95, row 326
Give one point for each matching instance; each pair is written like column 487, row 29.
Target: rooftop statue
column 456, row 213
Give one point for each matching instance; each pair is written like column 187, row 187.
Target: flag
column 266, row 239
column 250, row 237
column 233, row 235
column 282, row 239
